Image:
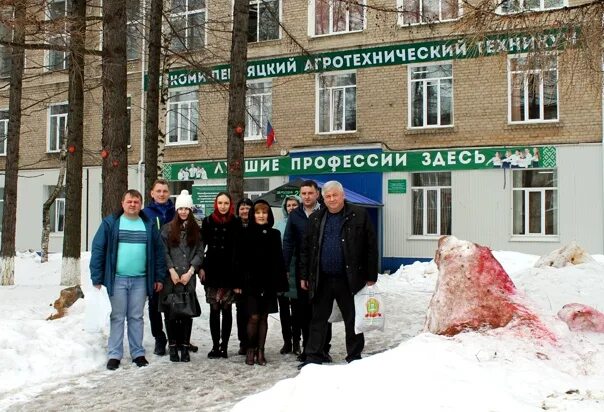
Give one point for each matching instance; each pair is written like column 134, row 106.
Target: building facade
column 477, row 139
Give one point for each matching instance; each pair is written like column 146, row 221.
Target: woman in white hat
column 184, row 256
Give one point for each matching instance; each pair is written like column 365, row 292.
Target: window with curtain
column 431, row 197
column 337, row 102
column 338, row 16
column 264, row 20
column 535, row 202
column 258, row 109
column 533, row 88
column 431, row 95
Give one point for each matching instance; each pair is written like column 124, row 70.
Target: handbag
column 181, row 303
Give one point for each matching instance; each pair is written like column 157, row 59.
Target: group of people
column 317, row 254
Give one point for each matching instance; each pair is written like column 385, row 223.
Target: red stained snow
column 580, row 317
column 475, row 292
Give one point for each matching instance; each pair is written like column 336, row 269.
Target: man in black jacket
column 293, row 236
column 338, row 258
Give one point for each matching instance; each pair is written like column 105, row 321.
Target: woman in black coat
column 221, row 282
column 184, row 255
column 260, row 261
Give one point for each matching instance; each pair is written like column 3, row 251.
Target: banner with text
column 411, row 161
column 397, row 54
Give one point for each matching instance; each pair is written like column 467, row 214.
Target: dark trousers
column 155, row 318
column 290, row 318
column 322, row 305
column 303, row 308
column 179, row 331
column 242, row 317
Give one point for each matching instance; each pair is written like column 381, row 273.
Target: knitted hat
column 184, row 199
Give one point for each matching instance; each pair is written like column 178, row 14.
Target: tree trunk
column 152, row 102
column 48, row 203
column 115, row 120
column 72, row 235
column 7, row 250
column 237, row 87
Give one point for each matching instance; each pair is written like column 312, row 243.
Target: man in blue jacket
column 128, row 259
column 161, row 211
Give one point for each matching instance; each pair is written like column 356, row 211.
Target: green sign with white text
column 397, row 54
column 411, row 161
column 397, row 186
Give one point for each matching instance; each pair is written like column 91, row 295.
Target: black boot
column 287, row 348
column 223, row 351
column 214, row 353
column 173, row 353
column 296, row 348
column 261, row 360
column 184, row 353
column 249, row 358
column 160, row 347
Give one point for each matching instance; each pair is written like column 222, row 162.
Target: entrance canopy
column 275, row 197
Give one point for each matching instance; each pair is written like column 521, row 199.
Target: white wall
column 482, row 208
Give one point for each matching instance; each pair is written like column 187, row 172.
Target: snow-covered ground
column 60, row 365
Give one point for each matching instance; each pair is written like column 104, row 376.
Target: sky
column 50, row 364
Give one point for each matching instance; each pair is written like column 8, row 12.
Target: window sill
column 430, row 130
column 425, row 237
column 335, row 133
column 534, row 125
column 426, row 23
column 339, row 33
column 535, row 238
column 56, row 234
column 526, row 10
column 50, row 152
column 254, row 140
column 261, row 43
column 177, row 144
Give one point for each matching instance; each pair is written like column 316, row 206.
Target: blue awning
column 356, row 198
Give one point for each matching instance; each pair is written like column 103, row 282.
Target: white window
column 259, row 107
column 431, row 194
column 57, row 211
column 431, row 95
column 187, row 23
column 535, row 202
column 57, row 126
column 533, row 89
column 3, row 131
column 517, row 6
column 427, row 11
column 55, row 59
column 6, row 34
column 336, row 16
column 264, row 20
column 183, row 117
column 133, row 13
column 337, row 102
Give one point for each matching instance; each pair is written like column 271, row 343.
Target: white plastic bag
column 98, row 308
column 336, row 315
column 369, row 310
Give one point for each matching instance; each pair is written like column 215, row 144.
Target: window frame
column 264, row 117
column 134, row 22
column 56, row 213
column 62, row 37
column 543, row 210
column 312, row 25
column 279, row 30
column 410, row 101
column 526, row 92
column 318, row 111
column 400, row 5
column 179, row 141
column 3, row 131
column 425, row 190
column 49, row 117
column 184, row 46
column 5, row 51
column 521, row 7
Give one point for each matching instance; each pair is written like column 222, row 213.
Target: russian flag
column 270, row 134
